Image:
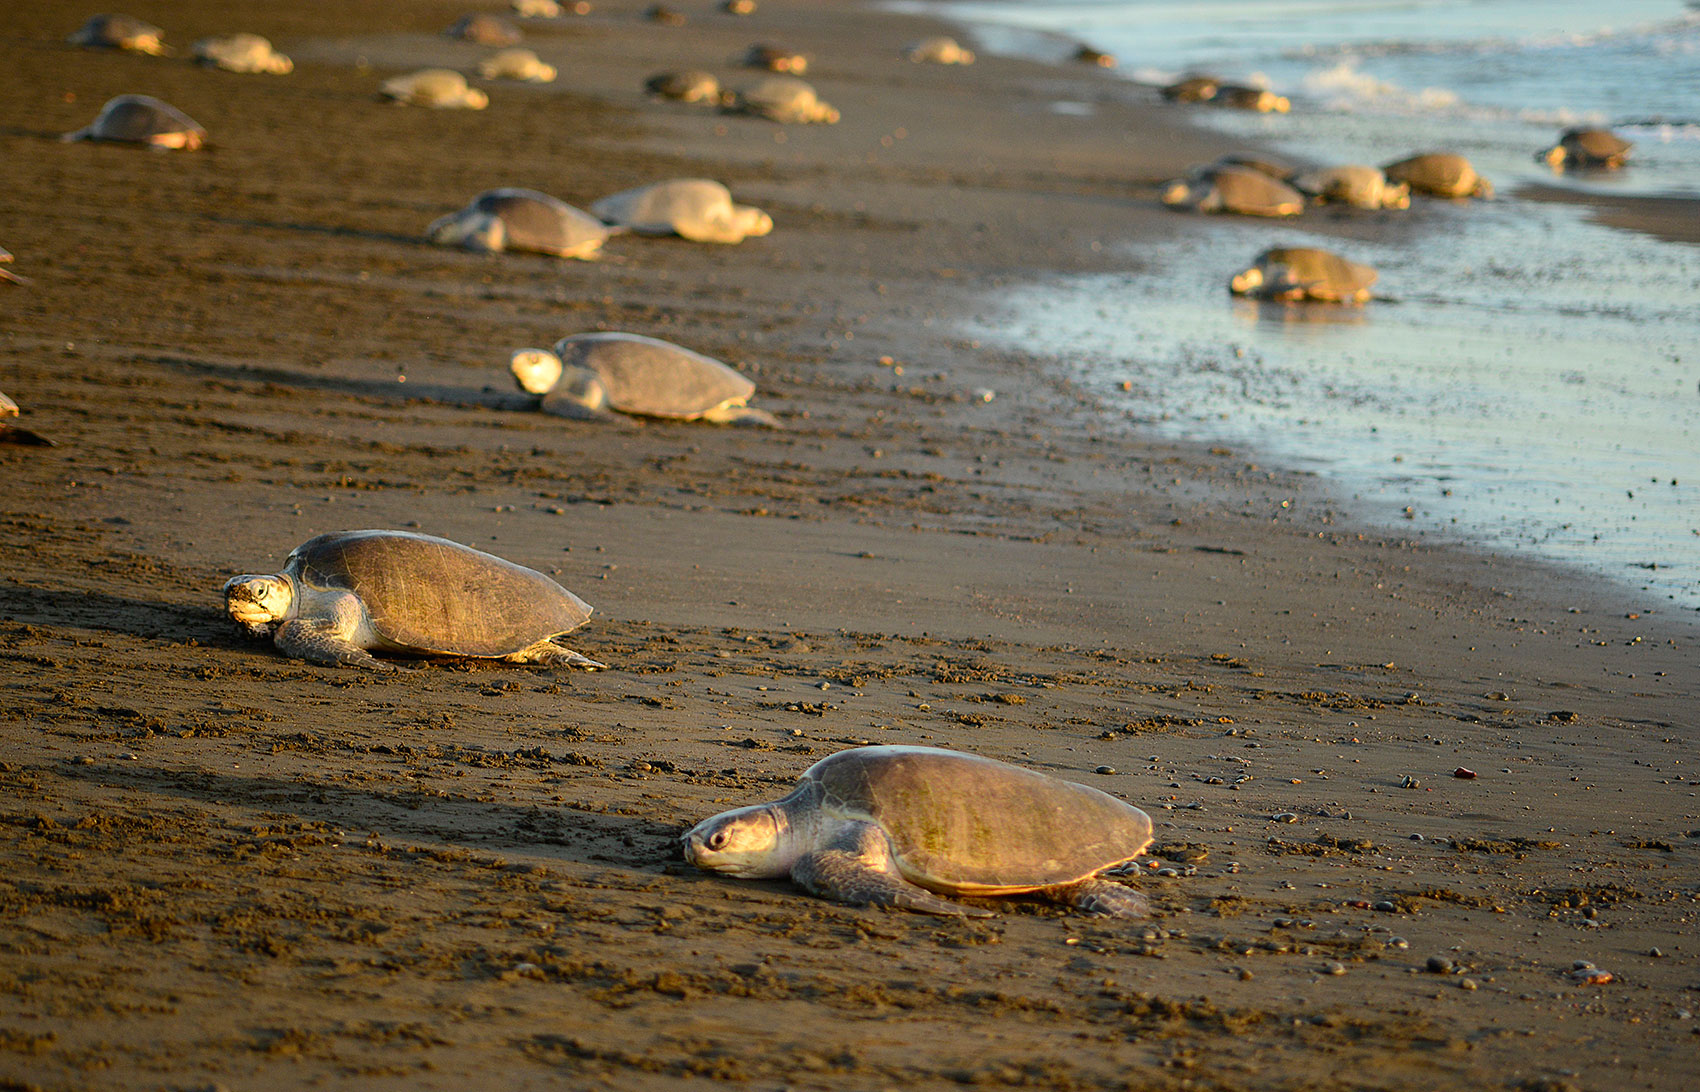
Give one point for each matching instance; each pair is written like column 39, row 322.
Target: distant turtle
column 1304, row 273
column 1440, row 174
column 537, row 9
column 784, row 99
column 586, row 375
column 1587, row 148
column 1273, row 166
column 690, row 85
column 1085, row 54
column 516, row 219
column 776, row 59
column 142, row 119
column 1234, row 189
column 517, row 64
column 1257, row 99
column 486, row 30
column 1192, row 89
column 12, row 434
column 344, row 595
column 899, row 826
column 738, row 7
column 439, row 88
column 120, row 32
column 694, row 208
column 242, row 53
column 9, row 277
column 939, row 50
column 1353, row 184
column 666, row 16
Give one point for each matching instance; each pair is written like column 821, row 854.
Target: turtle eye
column 717, row 840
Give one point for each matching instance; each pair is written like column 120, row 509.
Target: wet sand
column 223, row 869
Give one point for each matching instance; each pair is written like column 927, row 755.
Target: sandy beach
column 227, row 870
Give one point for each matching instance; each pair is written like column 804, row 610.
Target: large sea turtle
column 785, row 99
column 1259, row 100
column 898, row 826
column 440, row 88
column 142, row 119
column 1587, row 148
column 242, row 52
column 694, row 208
column 687, row 85
column 939, row 49
column 517, row 64
column 12, row 434
column 1234, row 189
column 343, row 595
column 776, row 59
column 1439, row 174
column 586, row 375
column 485, row 29
column 1304, row 273
column 516, row 219
column 1353, row 184
column 1192, row 89
column 120, row 32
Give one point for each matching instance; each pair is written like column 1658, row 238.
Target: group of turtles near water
column 1263, row 185
column 892, row 826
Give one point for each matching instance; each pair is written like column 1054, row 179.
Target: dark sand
column 223, row 869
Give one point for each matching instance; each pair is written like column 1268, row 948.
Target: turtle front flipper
column 304, row 639
column 1102, row 897
column 856, row 867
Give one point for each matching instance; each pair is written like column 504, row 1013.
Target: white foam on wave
column 1345, row 87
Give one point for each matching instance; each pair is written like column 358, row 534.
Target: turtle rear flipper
column 857, row 868
column 550, row 654
column 1105, row 898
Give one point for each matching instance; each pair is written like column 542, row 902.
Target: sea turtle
column 588, row 374
column 242, row 52
column 516, row 219
column 1192, row 89
column 120, row 32
column 441, row 88
column 1086, row 54
column 695, row 208
column 690, row 85
column 142, row 119
column 784, row 99
column 666, row 16
column 1353, row 184
column 517, row 64
column 776, row 59
column 939, row 50
column 1440, row 174
column 486, row 30
column 738, row 7
column 1587, row 148
column 1234, row 189
column 343, row 595
column 1257, row 99
column 898, row 826
column 539, row 9
column 9, row 277
column 12, row 434
column 1304, row 273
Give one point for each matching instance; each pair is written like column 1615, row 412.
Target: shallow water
column 1529, row 382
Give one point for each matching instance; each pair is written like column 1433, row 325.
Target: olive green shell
column 428, row 594
column 654, row 378
column 137, row 119
column 966, row 824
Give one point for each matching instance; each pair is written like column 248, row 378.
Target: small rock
column 1106, row 769
column 1438, row 965
column 1409, row 782
column 1591, row 976
column 1334, row 968
column 1656, row 953
column 1285, row 817
column 1386, row 907
column 1398, row 942
column 1463, row 773
column 1467, row 984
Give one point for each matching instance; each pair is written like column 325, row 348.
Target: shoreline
column 229, row 867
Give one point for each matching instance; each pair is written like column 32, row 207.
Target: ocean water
column 1526, row 380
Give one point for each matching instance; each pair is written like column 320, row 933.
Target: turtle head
column 1483, row 189
column 1248, row 282
column 578, row 395
column 470, row 228
column 535, row 370
column 259, row 603
column 1554, row 156
column 752, row 843
column 751, row 220
column 1178, row 192
column 475, row 99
